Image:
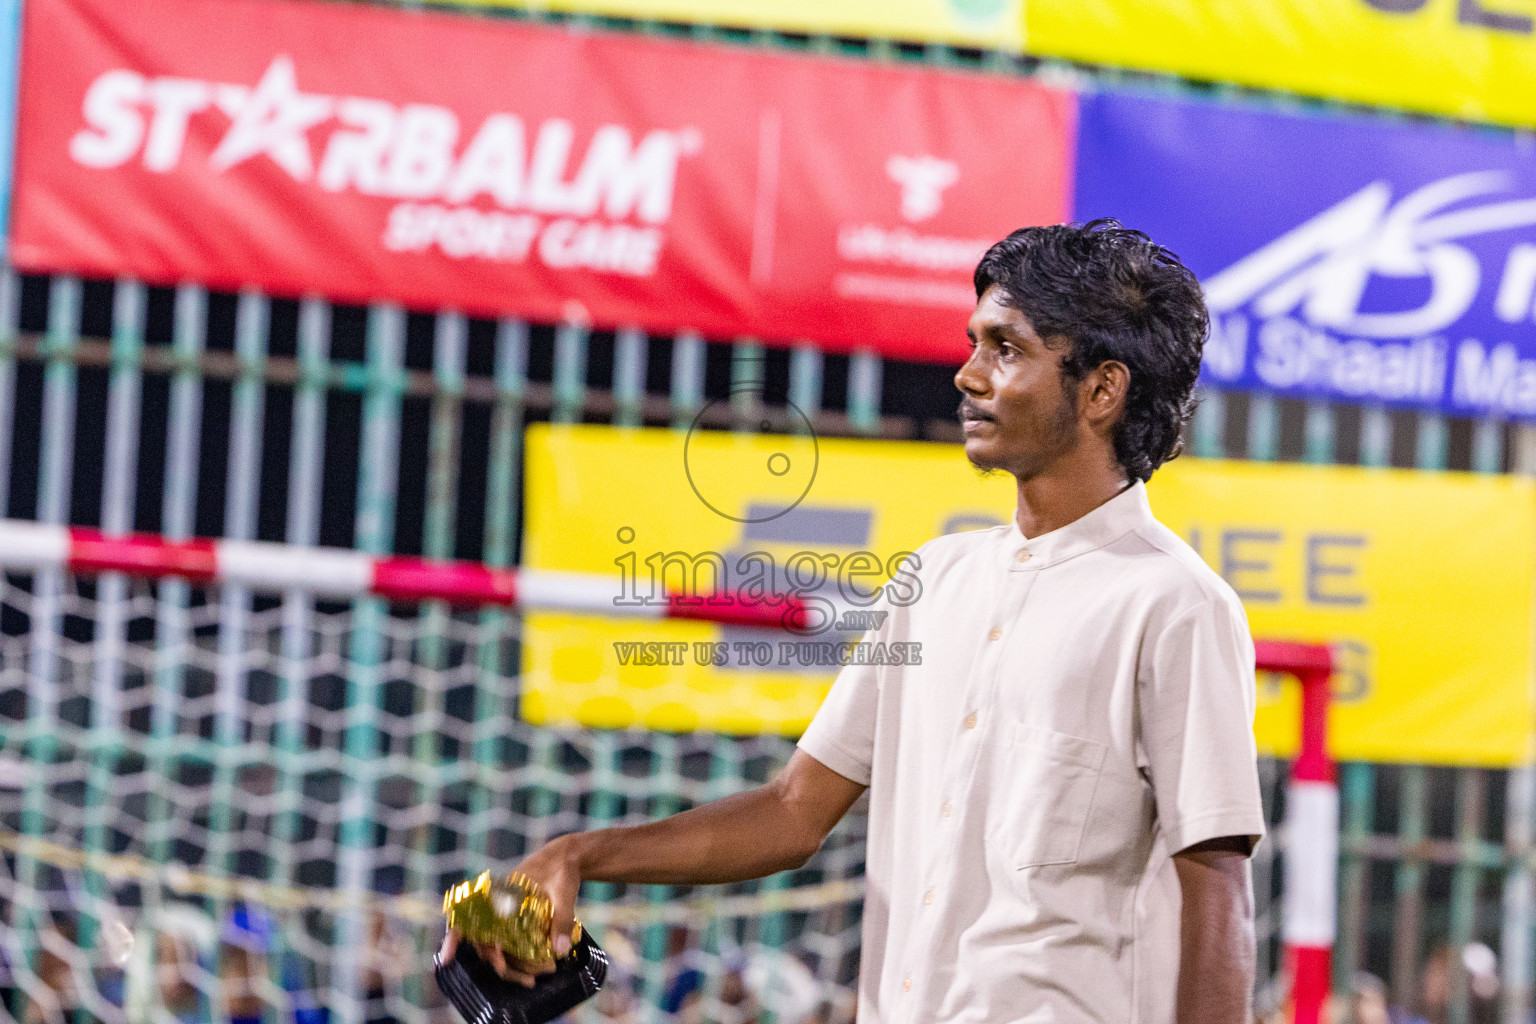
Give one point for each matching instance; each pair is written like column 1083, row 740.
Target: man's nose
column 970, row 379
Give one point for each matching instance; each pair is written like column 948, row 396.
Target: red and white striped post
column 1311, row 829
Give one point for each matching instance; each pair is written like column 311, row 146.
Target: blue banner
column 1350, row 258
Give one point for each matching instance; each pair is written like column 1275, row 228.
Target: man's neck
column 1051, row 500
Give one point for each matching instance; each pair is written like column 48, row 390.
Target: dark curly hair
column 1113, row 294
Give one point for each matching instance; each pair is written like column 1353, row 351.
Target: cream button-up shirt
column 1083, row 709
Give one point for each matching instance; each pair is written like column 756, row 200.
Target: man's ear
column 1104, row 393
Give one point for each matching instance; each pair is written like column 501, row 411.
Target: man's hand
column 509, row 970
column 748, row 835
column 1216, row 954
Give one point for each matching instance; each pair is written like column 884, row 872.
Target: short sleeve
column 1196, row 704
column 842, row 735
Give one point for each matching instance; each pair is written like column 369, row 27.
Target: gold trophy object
column 513, row 913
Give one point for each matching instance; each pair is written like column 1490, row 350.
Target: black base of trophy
column 483, row 997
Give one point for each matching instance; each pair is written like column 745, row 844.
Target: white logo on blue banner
column 1342, row 257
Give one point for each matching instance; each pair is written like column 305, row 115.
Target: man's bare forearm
column 744, row 836
column 1216, row 948
column 748, row 835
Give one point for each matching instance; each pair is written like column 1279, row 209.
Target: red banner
column 438, row 161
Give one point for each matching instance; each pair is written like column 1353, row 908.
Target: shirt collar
column 1109, row 522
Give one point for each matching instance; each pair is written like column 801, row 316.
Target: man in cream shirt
column 1063, row 793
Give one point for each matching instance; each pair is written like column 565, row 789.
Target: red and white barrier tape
column 340, row 573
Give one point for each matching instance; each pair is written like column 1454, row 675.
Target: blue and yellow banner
column 1421, row 582
column 1469, row 59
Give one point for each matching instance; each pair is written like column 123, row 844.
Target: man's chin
column 981, row 455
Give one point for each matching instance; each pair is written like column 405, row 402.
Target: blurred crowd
column 178, row 966
column 1370, row 1001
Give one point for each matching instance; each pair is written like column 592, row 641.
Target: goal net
column 218, row 805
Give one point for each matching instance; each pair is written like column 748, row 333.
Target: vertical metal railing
column 502, row 520
column 687, row 394
column 1516, row 904
column 805, row 374
column 241, row 508
column 172, row 629
column 302, row 527
column 117, row 499
column 374, row 534
column 449, row 351
column 55, row 466
column 450, row 341
column 10, row 328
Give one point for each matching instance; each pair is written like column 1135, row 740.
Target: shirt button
column 996, row 634
column 928, row 898
column 1023, row 556
column 947, row 808
column 906, row 984
column 970, row 720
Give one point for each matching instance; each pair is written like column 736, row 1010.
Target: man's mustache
column 969, row 410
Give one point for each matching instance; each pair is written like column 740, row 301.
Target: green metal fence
column 133, row 715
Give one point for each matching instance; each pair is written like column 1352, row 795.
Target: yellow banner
column 601, row 500
column 996, row 24
column 1422, row 582
column 1472, row 59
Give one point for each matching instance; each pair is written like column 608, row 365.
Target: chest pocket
column 1046, row 789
